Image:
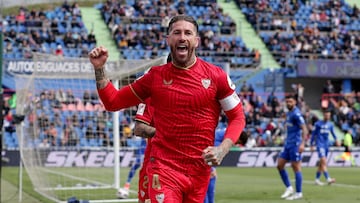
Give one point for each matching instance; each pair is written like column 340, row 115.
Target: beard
column 290, row 107
column 183, row 60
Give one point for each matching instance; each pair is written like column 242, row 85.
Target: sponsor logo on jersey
column 206, row 83
column 141, row 109
column 167, row 82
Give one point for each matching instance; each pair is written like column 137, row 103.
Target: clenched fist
column 98, row 57
column 213, row 156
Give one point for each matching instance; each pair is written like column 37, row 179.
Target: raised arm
column 112, row 98
column 98, row 57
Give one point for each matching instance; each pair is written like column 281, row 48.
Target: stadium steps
column 248, row 34
column 353, row 2
column 338, row 131
column 93, row 21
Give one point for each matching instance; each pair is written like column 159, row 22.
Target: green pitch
column 233, row 185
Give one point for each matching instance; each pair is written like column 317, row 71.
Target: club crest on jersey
column 160, row 198
column 167, row 82
column 206, row 83
column 142, row 193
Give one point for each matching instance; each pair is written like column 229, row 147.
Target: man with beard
column 293, row 147
column 188, row 95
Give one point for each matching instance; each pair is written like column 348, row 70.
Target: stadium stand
column 139, row 29
column 306, row 29
column 59, row 31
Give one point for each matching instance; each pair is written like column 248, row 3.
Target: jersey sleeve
column 232, row 106
column 142, row 86
column 299, row 119
column 114, row 99
column 145, row 112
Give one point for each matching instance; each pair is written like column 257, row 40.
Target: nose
column 182, row 37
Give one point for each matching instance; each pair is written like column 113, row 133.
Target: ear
column 197, row 43
column 167, row 40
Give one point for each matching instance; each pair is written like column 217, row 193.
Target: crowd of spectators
column 139, row 30
column 65, row 119
column 62, row 118
column 324, row 29
column 58, row 30
column 345, row 109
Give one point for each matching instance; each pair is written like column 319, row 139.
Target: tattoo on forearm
column 144, row 130
column 101, row 79
column 148, row 132
column 224, row 148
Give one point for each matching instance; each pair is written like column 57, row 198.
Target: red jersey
column 187, row 105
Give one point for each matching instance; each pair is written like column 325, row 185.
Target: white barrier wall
column 257, row 157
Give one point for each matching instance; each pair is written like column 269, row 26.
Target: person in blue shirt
column 320, row 139
column 139, row 144
column 293, row 147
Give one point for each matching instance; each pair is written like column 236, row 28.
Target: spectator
column 44, row 143
column 9, row 125
column 59, row 51
column 20, row 18
column 328, row 88
column 69, row 136
column 52, row 134
column 251, row 142
column 91, row 38
column 69, row 41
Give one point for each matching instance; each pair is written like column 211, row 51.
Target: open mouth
column 182, row 49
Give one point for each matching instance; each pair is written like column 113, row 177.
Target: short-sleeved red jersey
column 187, row 104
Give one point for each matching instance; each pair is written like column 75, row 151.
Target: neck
column 186, row 66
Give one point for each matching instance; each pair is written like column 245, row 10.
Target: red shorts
column 167, row 185
column 143, row 193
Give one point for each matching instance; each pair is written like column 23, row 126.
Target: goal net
column 71, row 148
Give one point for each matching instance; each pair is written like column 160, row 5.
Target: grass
column 233, row 185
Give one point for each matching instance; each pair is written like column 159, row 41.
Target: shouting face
column 183, row 40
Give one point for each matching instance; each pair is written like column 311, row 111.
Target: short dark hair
column 290, row 96
column 169, row 58
column 184, row 18
column 326, row 110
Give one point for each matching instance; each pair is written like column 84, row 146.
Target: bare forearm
column 144, row 130
column 101, row 79
column 225, row 146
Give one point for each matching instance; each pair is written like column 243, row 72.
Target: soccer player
column 144, row 128
column 187, row 95
column 293, row 147
column 140, row 145
column 320, row 137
